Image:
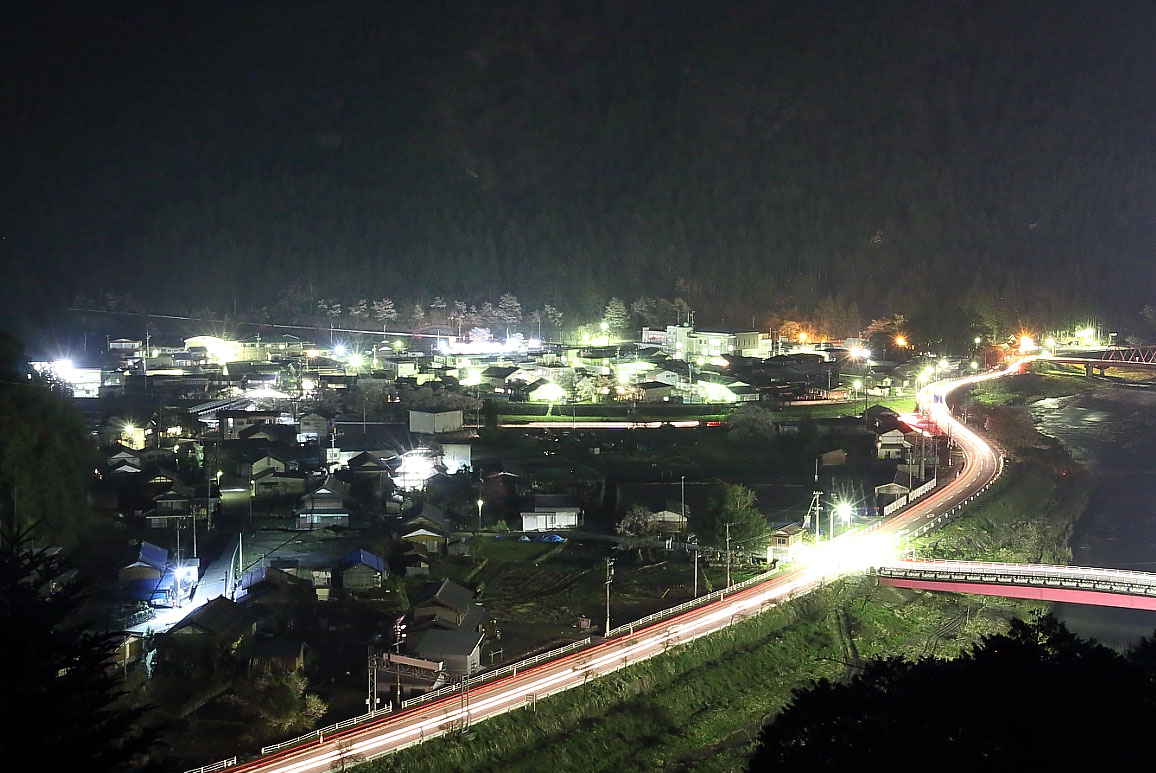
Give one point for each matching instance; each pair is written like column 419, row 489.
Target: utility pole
column 609, row 579
column 728, row 554
column 816, row 504
column 371, row 698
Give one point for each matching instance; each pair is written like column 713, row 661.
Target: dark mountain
column 747, row 155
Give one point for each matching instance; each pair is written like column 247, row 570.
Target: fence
column 215, row 766
column 898, row 503
column 917, row 493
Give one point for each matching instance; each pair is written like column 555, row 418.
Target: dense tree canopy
column 1035, row 698
column 46, row 456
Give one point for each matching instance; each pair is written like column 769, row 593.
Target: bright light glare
column 859, row 353
column 1027, row 344
column 356, row 360
column 340, row 350
column 848, row 555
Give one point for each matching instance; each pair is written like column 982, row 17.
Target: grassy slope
column 701, row 707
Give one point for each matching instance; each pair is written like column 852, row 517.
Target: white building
column 425, row 422
column 684, row 342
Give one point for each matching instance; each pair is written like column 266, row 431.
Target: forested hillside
column 748, row 155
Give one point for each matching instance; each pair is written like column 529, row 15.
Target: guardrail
column 215, row 766
column 1004, row 568
column 718, row 594
column 486, row 676
column 321, row 732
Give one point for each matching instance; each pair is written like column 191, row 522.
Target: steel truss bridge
column 1041, row 582
column 1102, row 359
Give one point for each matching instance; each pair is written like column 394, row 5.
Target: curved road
column 849, row 553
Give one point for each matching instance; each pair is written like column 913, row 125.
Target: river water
column 1110, row 431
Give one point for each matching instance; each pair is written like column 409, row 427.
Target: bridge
column 1040, row 582
column 1102, row 359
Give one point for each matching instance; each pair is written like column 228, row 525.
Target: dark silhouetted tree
column 1024, row 700
column 63, row 702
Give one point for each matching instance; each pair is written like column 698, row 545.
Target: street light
column 480, row 503
column 604, row 326
column 844, row 511
column 858, row 384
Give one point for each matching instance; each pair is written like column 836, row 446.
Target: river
column 1110, row 430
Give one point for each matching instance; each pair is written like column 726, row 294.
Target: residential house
column 270, row 483
column 271, row 434
column 315, row 425
column 362, row 570
column 324, row 506
column 270, row 460
column 118, row 453
column 551, row 512
column 220, row 620
column 447, row 606
column 430, row 541
column 670, row 519
column 655, row 391
column 152, row 578
column 277, row 656
column 785, row 541
column 230, row 423
column 893, row 444
column 459, row 650
column 171, row 508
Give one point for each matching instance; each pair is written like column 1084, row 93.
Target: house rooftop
column 365, row 558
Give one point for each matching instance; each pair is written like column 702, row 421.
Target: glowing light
column 859, row 353
column 416, row 468
column 398, row 344
column 312, row 354
column 548, row 393
column 974, row 365
column 1086, row 334
column 900, row 341
column 534, row 343
column 1050, row 343
column 843, row 510
column 64, row 370
column 802, row 338
column 356, row 360
column 603, row 326
column 858, row 384
column 1027, row 344
column 340, row 350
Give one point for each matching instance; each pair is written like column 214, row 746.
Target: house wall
column 361, row 576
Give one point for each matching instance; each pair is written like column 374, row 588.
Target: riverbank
column 701, row 706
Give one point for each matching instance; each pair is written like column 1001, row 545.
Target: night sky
column 751, row 157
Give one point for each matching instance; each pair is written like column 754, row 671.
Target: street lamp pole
column 695, row 543
column 479, row 531
column 609, row 579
